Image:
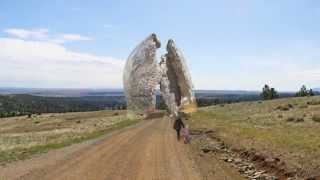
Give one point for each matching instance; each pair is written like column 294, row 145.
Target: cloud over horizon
column 43, row 34
column 30, row 61
column 40, row 58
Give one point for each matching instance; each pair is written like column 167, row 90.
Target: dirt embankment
column 250, row 164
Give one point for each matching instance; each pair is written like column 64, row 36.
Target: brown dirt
column 148, row 150
column 251, row 164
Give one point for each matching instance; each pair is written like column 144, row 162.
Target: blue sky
column 232, row 44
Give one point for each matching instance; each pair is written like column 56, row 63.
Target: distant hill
column 233, row 94
column 104, row 92
column 62, row 92
column 22, row 101
column 225, row 92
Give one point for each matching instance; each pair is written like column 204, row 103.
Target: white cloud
column 62, row 38
column 28, row 34
column 44, row 35
column 74, row 37
column 46, row 64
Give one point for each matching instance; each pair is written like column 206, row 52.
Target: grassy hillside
column 21, row 137
column 285, row 128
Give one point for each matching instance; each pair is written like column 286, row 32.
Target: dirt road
column 148, row 151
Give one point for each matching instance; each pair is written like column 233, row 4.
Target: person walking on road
column 186, row 135
column 177, row 126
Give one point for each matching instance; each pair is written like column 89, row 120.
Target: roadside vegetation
column 22, row 137
column 287, row 129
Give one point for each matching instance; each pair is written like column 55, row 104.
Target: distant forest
column 23, row 104
column 208, row 99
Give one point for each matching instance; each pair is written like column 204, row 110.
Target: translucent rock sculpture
column 141, row 75
column 166, row 92
column 180, row 84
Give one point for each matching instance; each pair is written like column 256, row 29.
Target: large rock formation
column 142, row 74
column 179, row 80
column 166, row 89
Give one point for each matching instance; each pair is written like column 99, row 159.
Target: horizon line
column 100, row 89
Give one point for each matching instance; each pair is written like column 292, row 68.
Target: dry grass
column 284, row 127
column 21, row 137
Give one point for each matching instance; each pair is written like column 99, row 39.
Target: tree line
column 270, row 92
column 22, row 104
column 267, row 93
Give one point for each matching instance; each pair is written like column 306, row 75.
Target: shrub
column 285, row 107
column 292, row 119
column 316, row 118
column 299, row 120
column 313, row 102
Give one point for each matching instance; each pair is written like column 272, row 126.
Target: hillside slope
column 280, row 135
column 22, row 137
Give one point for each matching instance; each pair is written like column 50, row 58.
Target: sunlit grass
column 21, row 138
column 264, row 126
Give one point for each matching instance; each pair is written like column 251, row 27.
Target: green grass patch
column 286, row 128
column 266, row 125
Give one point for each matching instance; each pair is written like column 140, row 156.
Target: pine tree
column 269, row 93
column 304, row 92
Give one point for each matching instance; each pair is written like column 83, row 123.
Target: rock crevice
column 142, row 74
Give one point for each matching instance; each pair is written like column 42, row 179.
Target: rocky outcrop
column 142, row 74
column 168, row 95
column 180, row 83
